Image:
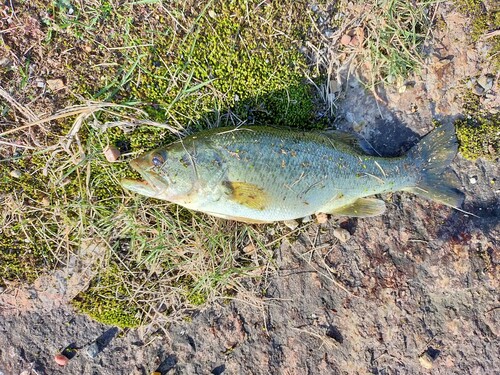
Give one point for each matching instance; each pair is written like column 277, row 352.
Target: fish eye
column 157, row 160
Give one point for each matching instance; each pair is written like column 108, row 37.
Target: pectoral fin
column 246, row 194
column 362, row 207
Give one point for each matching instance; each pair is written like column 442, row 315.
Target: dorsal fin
column 341, row 140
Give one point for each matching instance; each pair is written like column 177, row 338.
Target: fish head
column 167, row 173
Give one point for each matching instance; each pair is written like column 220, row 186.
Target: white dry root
column 83, row 113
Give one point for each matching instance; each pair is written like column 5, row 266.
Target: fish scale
column 263, row 174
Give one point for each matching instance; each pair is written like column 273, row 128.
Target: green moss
column 196, row 298
column 107, row 301
column 479, row 132
column 234, row 59
column 485, row 17
column 21, row 259
column 23, row 252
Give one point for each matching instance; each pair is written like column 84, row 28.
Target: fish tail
column 434, row 153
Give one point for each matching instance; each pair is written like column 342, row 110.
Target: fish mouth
column 149, row 186
column 136, row 166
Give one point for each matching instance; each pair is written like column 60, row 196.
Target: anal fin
column 362, row 207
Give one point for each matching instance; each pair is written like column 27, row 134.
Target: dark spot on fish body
column 185, row 160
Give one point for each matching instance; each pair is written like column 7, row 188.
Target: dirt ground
column 413, row 291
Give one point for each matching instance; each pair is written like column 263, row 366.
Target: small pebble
column 111, row 153
column 425, row 361
column 93, row 350
column 328, row 33
column 55, row 84
column 341, row 234
column 40, row 83
column 307, row 219
column 473, row 180
column 485, row 82
column 15, row 173
column 291, row 224
column 249, row 249
column 5, row 62
column 478, row 90
column 321, row 218
column 61, row 360
column 345, row 40
column 335, row 86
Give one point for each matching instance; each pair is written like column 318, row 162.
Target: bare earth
column 413, row 291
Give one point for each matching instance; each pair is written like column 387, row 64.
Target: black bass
column 263, row 174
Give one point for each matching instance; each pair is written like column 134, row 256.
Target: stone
column 321, row 218
column 16, row 173
column 93, row 350
column 345, row 40
column 341, row 234
column 486, row 82
column 55, row 84
column 111, row 153
column 478, row 90
column 291, row 224
column 329, row 33
column 61, row 360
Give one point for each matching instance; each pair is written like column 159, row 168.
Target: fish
column 262, row 174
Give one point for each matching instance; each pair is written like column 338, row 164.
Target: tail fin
column 434, row 153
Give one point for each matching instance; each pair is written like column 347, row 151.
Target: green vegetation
column 108, row 301
column 478, row 132
column 484, row 14
column 190, row 66
column 392, row 40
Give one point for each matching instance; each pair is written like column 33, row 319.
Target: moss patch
column 107, row 301
column 242, row 56
column 485, row 17
column 479, row 132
